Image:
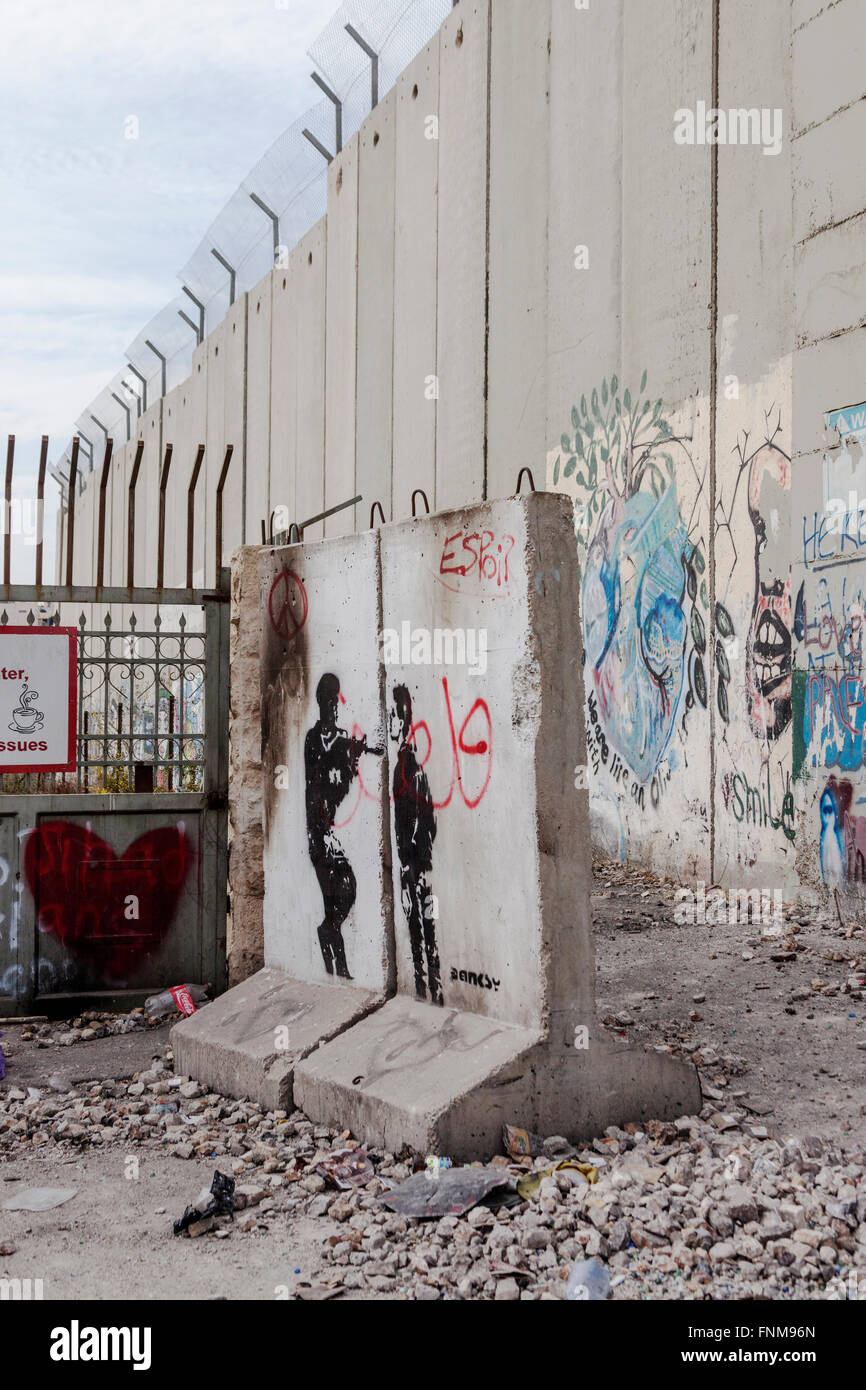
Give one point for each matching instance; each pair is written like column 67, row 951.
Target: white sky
column 94, row 226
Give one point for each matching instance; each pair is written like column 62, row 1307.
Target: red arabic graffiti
column 109, row 912
column 473, row 741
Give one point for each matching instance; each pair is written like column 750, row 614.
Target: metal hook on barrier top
column 419, row 492
column 296, row 535
column 373, row 509
column 525, row 473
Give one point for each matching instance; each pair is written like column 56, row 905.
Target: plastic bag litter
column 40, row 1198
column 528, row 1185
column 452, row 1192
column 589, row 1283
column 221, row 1203
column 353, row 1170
column 519, row 1143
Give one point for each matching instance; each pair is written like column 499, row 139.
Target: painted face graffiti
column 769, row 644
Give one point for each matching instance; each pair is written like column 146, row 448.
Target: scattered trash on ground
column 40, row 1198
column 218, row 1200
column 355, row 1170
column 528, row 1185
column 519, row 1143
column 589, row 1282
column 180, row 999
column 451, row 1192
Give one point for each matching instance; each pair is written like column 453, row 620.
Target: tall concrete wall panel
column 462, row 293
column 214, row 364
column 341, row 337
column 188, row 432
column 750, row 636
column 480, row 792
column 518, row 221
column 284, row 398
column 258, row 405
column 375, row 385
column 416, row 240
column 176, row 428
column 323, row 816
column 309, row 278
column 235, row 417
column 147, row 495
column 585, row 214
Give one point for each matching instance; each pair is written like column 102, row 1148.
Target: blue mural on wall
column 644, row 590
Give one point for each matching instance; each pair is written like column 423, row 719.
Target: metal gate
column 113, row 880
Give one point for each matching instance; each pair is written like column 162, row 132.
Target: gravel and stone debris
column 708, row 1207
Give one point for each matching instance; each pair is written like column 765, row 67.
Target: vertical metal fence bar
column 40, row 499
column 82, row 716
column 70, row 517
column 106, row 704
column 131, row 640
column 7, row 520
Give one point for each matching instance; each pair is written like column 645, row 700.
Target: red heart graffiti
column 109, row 912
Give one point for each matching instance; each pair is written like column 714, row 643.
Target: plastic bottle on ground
column 589, row 1283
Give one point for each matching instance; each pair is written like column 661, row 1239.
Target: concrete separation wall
column 461, row 634
column 522, row 265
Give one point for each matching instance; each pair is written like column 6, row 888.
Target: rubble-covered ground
column 759, row 1196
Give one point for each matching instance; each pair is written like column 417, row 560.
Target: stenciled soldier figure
column 415, row 831
column 331, row 758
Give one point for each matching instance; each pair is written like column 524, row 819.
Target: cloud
column 94, row 226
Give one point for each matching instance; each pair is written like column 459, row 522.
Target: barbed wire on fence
column 281, row 199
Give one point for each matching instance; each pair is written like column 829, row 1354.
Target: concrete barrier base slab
column 434, row 1079
column 444, row 1082
column 233, row 1047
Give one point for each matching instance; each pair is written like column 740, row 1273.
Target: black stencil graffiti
column 331, row 758
column 415, row 832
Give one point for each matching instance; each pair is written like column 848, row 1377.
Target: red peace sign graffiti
column 288, row 605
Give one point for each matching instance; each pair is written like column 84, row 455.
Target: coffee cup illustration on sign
column 26, row 719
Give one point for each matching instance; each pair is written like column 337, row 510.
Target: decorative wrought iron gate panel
column 113, row 879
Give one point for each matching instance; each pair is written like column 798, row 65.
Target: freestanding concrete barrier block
column 327, row 912
column 494, row 1021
